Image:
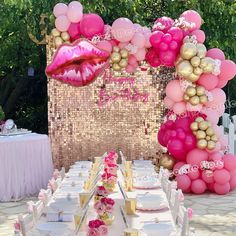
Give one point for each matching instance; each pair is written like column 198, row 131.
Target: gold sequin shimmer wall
column 122, row 112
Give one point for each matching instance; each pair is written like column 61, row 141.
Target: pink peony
column 101, row 191
column 109, row 208
column 103, row 230
column 93, row 232
column 100, row 208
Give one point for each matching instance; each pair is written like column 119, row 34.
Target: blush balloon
column 222, row 189
column 194, row 174
column 194, row 17
column 209, row 81
column 62, row 23
column 179, row 108
column 200, row 35
column 174, row 91
column 104, row 45
column 168, row 103
column 198, row 186
column 75, row 11
column 138, row 40
column 232, row 183
column 227, row 70
column 183, row 182
column 207, row 176
column 216, row 53
column 222, row 83
column 60, row 9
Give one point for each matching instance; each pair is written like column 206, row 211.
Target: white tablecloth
column 25, row 165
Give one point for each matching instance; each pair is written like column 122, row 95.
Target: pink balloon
column 218, row 131
column 216, row 53
column 173, row 45
column 218, row 97
column 163, row 23
column 227, row 70
column 75, row 12
column 198, row 186
column 183, row 123
column 194, row 17
column 122, row 45
column 230, row 161
column 140, row 54
column 152, row 58
column 74, row 31
column 167, row 57
column 190, row 142
column 232, row 173
column 138, row 28
column 209, row 81
column 147, row 40
column 167, row 38
column 179, row 108
column 224, row 142
column 222, row 189
column 196, row 156
column 62, row 23
column 132, row 60
column 177, row 167
column 174, row 91
column 222, row 83
column 200, row 35
column 156, row 38
column 91, row 25
column 221, row 176
column 130, row 69
column 190, row 107
column 232, row 183
column 183, row 182
column 176, row 148
column 212, row 115
column 176, row 33
column 123, row 29
column 60, row 9
column 207, row 176
column 168, row 102
column 211, row 187
column 194, row 174
column 105, row 45
column 138, row 40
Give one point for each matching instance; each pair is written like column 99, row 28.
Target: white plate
column 62, row 205
column 146, row 182
column 51, row 227
column 151, row 202
column 154, row 229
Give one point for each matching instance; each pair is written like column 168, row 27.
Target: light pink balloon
column 62, row 23
column 222, row 83
column 140, row 54
column 122, row 45
column 218, row 131
column 222, row 189
column 179, row 108
column 105, row 45
column 60, row 9
column 194, row 17
column 183, row 182
column 209, row 81
column 198, row 186
column 196, row 156
column 190, row 107
column 232, row 183
column 227, row 70
column 216, row 156
column 212, row 115
column 132, row 60
column 216, row 53
column 207, row 176
column 138, row 28
column 130, row 69
column 218, row 97
column 230, row 161
column 221, row 176
column 123, row 29
column 168, row 103
column 75, row 11
column 138, row 40
column 146, row 30
column 194, row 174
column 174, row 91
column 147, row 40
column 200, row 35
column 224, row 142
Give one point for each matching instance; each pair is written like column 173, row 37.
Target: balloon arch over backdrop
column 86, row 47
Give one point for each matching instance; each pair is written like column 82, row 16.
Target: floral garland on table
column 100, row 193
column 97, row 228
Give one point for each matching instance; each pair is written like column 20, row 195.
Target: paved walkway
column 214, row 215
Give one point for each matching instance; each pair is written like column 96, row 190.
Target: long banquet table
column 25, row 165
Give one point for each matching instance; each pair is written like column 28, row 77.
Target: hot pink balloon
column 216, row 53
column 200, row 35
column 105, row 45
column 140, row 54
column 163, row 23
column 194, row 174
column 74, row 30
column 227, row 70
column 168, row 103
column 75, row 11
column 221, row 176
column 211, row 187
column 60, row 9
column 232, row 183
column 177, row 167
column 209, row 81
column 230, row 161
column 194, row 17
column 176, row 33
column 176, row 148
column 91, row 25
column 156, row 38
column 138, row 40
column 190, row 142
column 222, row 83
column 212, row 115
column 123, row 29
column 62, row 23
column 167, row 57
column 183, row 123
column 174, row 91
column 196, row 156
column 207, row 176
column 173, row 45
column 179, row 108
column 183, row 182
column 198, row 186
column 222, row 189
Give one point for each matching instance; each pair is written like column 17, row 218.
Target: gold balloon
column 115, row 57
column 214, row 138
column 208, row 138
column 194, row 100
column 116, row 67
column 56, row 32
column 184, row 68
column 124, row 53
column 167, row 161
column 188, row 50
column 210, row 131
column 203, row 99
column 201, row 50
column 195, row 61
column 116, row 49
column 65, row 36
column 186, row 97
column 197, row 71
column 192, row 77
column 202, row 143
column 194, row 126
column 201, row 134
column 199, row 119
column 191, row 91
column 211, row 145
column 203, row 125
column 123, row 63
column 200, row 90
column 178, row 60
column 207, row 64
column 58, row 41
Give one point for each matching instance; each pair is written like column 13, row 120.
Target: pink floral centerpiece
column 111, row 158
column 97, row 228
column 100, row 193
column 104, row 209
column 111, row 168
column 109, row 181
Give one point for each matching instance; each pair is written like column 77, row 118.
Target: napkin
column 59, row 217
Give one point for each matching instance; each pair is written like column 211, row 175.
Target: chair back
column 26, row 223
column 182, row 221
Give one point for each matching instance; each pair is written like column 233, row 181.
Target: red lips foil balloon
column 78, row 64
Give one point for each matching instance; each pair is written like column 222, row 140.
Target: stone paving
column 213, row 215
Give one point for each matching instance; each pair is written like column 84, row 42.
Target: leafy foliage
column 24, row 98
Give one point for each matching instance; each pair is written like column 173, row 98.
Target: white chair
column 26, row 223
column 183, row 221
column 45, row 196
column 175, row 202
column 38, row 210
column 63, row 173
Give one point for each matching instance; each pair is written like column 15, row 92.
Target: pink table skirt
column 25, row 165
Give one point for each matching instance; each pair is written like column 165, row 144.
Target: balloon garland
column 195, row 98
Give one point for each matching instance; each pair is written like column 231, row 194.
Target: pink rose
column 17, row 225
column 103, row 230
column 93, row 232
column 100, row 208
column 101, row 190
column 109, row 208
column 190, row 213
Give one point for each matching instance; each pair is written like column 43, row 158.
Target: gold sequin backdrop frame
column 79, row 129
